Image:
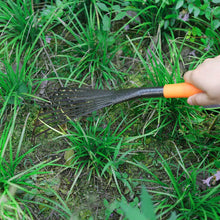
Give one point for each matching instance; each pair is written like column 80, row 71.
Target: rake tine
column 65, row 115
column 42, row 132
column 84, row 101
column 79, row 110
column 74, row 103
column 62, row 113
column 50, row 112
column 82, row 93
column 65, row 103
column 55, row 118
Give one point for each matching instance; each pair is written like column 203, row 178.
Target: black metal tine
column 65, row 103
column 80, row 104
column 82, row 93
column 83, row 105
column 66, row 106
column 55, row 118
column 65, row 115
column 61, row 113
column 85, row 101
column 80, row 109
column 50, row 112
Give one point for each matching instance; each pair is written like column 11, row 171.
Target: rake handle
column 180, row 90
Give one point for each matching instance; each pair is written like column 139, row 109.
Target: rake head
column 71, row 103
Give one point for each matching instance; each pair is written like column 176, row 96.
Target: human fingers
column 188, row 76
column 201, row 99
column 197, row 78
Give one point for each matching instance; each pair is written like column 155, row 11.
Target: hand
column 207, row 78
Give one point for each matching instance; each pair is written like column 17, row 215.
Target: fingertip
column 187, row 76
column 196, row 99
column 190, row 100
column 199, row 99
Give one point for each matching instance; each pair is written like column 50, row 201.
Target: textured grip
column 180, row 90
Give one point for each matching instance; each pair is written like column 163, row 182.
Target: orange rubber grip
column 180, row 90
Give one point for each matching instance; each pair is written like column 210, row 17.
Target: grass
column 187, row 199
column 143, row 155
column 17, row 20
column 90, row 47
column 17, row 178
column 97, row 148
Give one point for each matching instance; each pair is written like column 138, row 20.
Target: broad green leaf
column 190, row 8
column 196, row 11
column 147, row 207
column 120, row 15
column 22, row 88
column 106, row 23
column 216, row 1
column 116, row 8
column 179, row 4
column 190, row 137
column 171, row 16
column 196, row 31
column 166, row 24
column 59, row 3
column 208, row 13
column 216, row 24
column 103, row 7
column 110, row 41
column 132, row 213
column 216, row 12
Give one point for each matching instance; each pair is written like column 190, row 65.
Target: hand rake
column 71, row 103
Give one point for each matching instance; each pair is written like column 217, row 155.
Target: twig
column 51, row 63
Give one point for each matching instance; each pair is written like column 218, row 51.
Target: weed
column 163, row 69
column 18, row 22
column 17, row 82
column 17, row 187
column 97, row 148
column 92, row 48
column 142, row 210
column 188, row 200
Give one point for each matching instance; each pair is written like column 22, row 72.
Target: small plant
column 144, row 210
column 16, row 74
column 92, row 48
column 18, row 22
column 97, row 148
column 158, row 12
column 206, row 16
column 18, row 188
column 200, row 19
column 184, row 195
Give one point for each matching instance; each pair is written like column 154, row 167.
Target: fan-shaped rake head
column 71, row 103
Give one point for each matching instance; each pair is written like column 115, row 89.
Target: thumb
column 199, row 99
